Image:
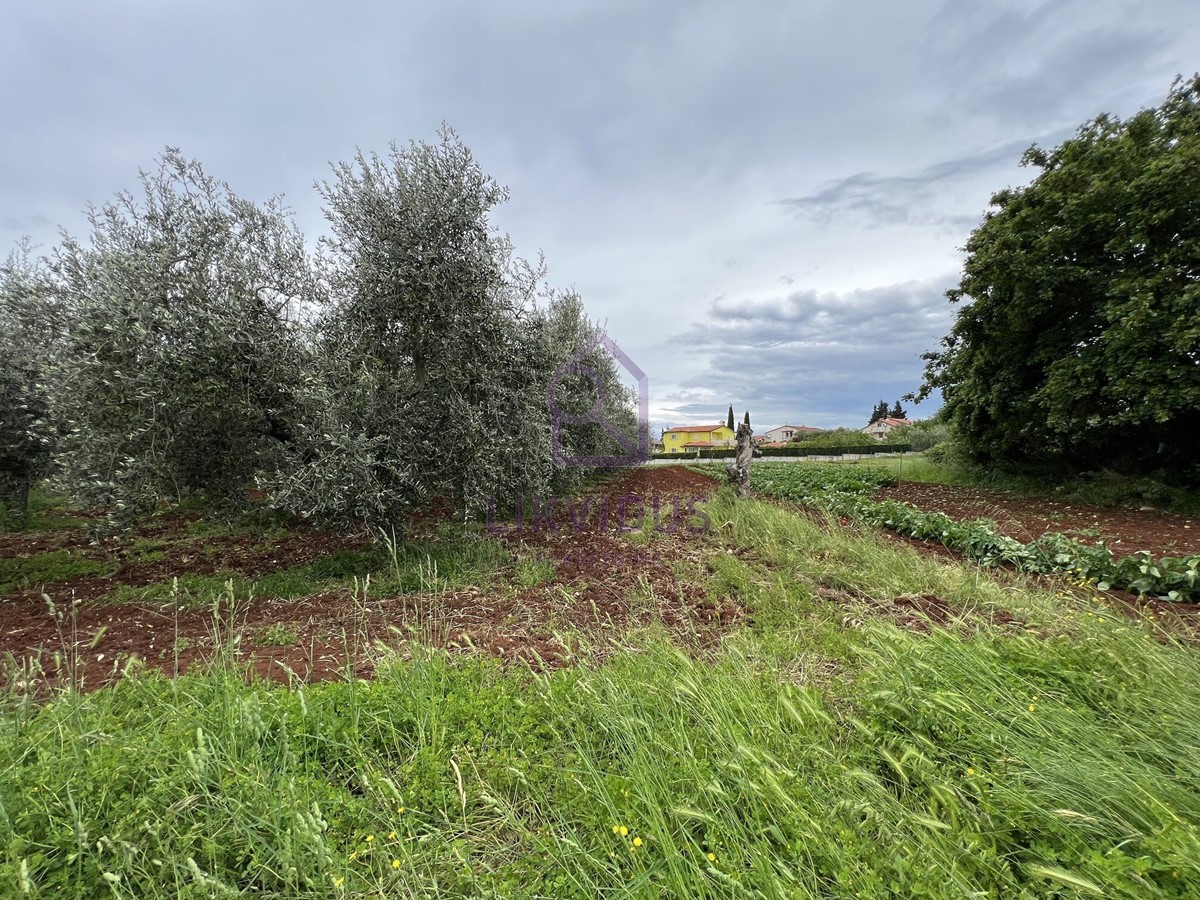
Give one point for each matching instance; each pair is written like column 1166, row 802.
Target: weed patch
column 27, row 573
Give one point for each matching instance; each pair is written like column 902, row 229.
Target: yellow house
column 690, row 438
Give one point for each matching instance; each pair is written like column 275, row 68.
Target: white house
column 785, row 433
column 880, row 427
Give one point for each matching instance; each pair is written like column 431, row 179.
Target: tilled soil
column 605, row 580
column 1125, row 531
column 603, row 576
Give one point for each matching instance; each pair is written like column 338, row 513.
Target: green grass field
column 1033, row 744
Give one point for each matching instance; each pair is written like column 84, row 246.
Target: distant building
column 785, row 433
column 880, row 427
column 690, row 438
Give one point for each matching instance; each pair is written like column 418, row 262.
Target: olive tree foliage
column 567, row 336
column 27, row 331
column 180, row 371
column 1080, row 344
column 434, row 349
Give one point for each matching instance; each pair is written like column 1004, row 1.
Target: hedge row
column 1171, row 578
column 863, row 450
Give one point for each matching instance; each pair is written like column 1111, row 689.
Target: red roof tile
column 696, row 428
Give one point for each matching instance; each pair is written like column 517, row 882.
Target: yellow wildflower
column 370, row 837
column 970, row 771
column 338, row 882
column 1032, row 707
column 395, row 863
column 637, row 842
column 391, row 835
column 622, row 831
column 712, row 857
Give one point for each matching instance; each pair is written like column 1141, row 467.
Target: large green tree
column 1077, row 344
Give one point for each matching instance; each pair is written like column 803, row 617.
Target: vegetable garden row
column 847, row 492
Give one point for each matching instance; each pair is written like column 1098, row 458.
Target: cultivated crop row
column 846, row 492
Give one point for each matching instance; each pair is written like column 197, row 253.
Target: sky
column 762, row 202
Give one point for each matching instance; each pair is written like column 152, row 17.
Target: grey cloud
column 913, row 199
column 23, row 223
column 1032, row 63
column 816, row 358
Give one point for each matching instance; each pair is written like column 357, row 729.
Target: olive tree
column 436, row 331
column 180, row 370
column 27, row 339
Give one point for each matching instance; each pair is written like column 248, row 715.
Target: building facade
column 690, row 438
column 880, row 427
column 785, row 433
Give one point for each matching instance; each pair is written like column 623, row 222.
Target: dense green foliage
column 802, row 758
column 1080, row 345
column 882, row 411
column 845, row 491
column 835, row 437
column 922, row 435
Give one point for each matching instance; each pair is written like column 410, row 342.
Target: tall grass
column 1063, row 760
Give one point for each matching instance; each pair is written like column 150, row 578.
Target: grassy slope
column 818, row 752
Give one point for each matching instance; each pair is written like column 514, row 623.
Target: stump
column 739, row 470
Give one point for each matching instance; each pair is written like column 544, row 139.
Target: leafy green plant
column 277, row 635
column 531, row 571
column 845, row 491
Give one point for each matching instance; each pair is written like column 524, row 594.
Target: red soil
column 1125, row 531
column 602, row 583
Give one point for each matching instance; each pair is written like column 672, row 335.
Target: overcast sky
column 763, row 201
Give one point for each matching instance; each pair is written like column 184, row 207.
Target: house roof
column 890, row 422
column 698, row 444
column 797, row 428
column 696, row 428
